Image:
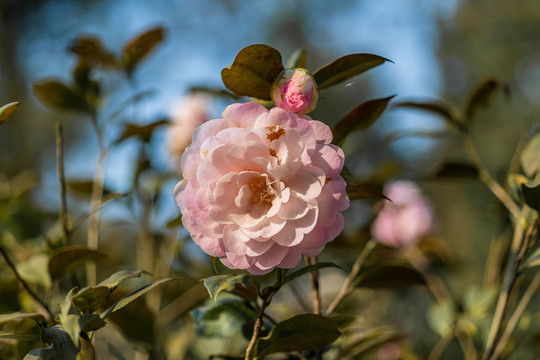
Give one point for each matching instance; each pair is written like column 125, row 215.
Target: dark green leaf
column 482, row 95
column 302, row 332
column 388, row 276
column 140, row 47
column 308, row 269
column 7, row 110
column 448, row 112
column 529, row 159
column 89, row 299
column 253, row 71
column 92, row 50
column 112, row 281
column 345, row 68
column 297, row 60
column 455, row 171
column 91, row 322
column 67, row 259
column 531, row 195
column 343, row 320
column 214, row 92
column 62, row 347
column 174, row 222
column 132, row 296
column 363, row 191
column 143, row 132
column 57, row 95
column 243, row 285
column 360, row 118
column 84, row 187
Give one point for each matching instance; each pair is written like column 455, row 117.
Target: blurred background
column 440, row 50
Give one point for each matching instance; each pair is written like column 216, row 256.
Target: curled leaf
column 446, row 111
column 482, row 95
column 58, row 95
column 7, row 110
column 90, row 49
column 140, row 47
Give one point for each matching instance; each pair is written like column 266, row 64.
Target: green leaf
column 62, row 347
column 92, row 50
column 132, row 296
column 531, row 195
column 301, row 332
column 253, row 71
column 529, row 159
column 68, row 258
column 441, row 317
column 89, row 299
column 446, row 111
column 343, row 320
column 364, row 191
column 70, row 324
column 360, row 118
column 360, row 347
column 308, row 269
column 345, row 68
column 482, row 95
column 7, row 110
column 174, row 222
column 455, row 171
column 222, row 93
column 17, row 316
column 478, row 300
column 115, row 279
column 85, row 187
column 58, row 95
column 140, row 47
column 143, row 132
column 297, row 60
column 243, row 285
column 34, row 270
column 388, row 276
column 226, row 318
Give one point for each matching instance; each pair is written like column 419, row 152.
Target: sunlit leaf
column 115, row 279
column 456, row 170
column 143, row 132
column 345, row 68
column 307, row 270
column 244, row 283
column 297, row 60
column 58, row 95
column 482, row 95
column 253, row 71
column 67, row 259
column 225, row 318
column 363, row 191
column 132, row 296
column 34, row 270
column 446, row 111
column 140, row 47
column 7, row 110
column 301, row 332
column 17, row 316
column 92, row 50
column 89, row 299
column 529, row 159
column 360, row 118
column 441, row 317
column 388, row 276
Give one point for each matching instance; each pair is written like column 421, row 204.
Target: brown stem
column 434, row 283
column 258, row 323
column 315, row 288
column 348, row 285
column 62, row 179
column 23, row 283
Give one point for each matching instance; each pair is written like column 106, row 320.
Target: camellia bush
column 264, row 191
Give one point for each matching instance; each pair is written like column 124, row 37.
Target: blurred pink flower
column 186, row 117
column 262, row 187
column 406, row 219
column 295, row 90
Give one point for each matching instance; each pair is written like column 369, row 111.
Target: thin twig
column 434, row 283
column 315, row 289
column 23, row 283
column 62, row 179
column 348, row 285
column 258, row 323
column 440, row 346
column 516, row 316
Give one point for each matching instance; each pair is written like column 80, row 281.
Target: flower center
column 262, row 192
column 274, row 132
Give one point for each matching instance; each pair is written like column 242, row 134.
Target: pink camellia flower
column 295, row 90
column 262, row 188
column 186, row 117
column 406, row 219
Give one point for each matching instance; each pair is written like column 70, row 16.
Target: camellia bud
column 295, row 90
